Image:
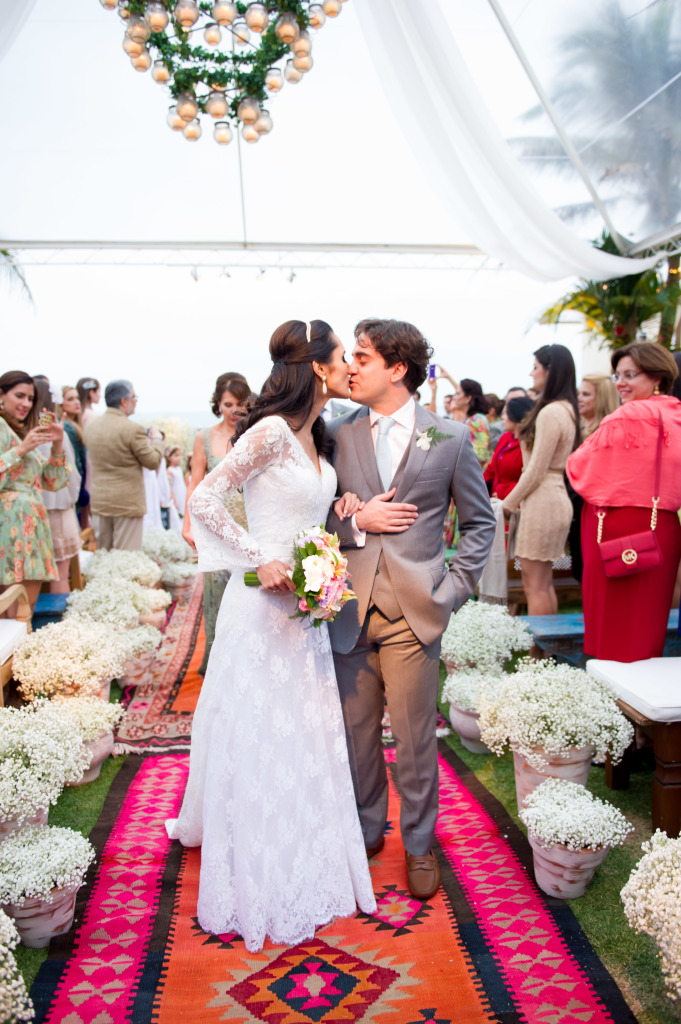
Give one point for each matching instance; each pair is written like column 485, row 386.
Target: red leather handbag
column 635, row 552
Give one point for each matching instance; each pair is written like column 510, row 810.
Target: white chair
column 12, row 631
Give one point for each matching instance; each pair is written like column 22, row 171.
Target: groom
column 405, row 463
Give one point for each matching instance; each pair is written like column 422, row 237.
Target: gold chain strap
column 653, row 514
column 601, row 517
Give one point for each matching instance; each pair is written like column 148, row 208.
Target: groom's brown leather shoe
column 373, row 850
column 423, row 875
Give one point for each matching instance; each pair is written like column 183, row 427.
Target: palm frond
column 12, row 274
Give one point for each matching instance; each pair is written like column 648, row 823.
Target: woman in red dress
column 625, row 617
column 504, row 468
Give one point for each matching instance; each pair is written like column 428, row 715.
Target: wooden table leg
column 617, row 775
column 667, row 779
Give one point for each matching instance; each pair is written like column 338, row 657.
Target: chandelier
column 230, row 73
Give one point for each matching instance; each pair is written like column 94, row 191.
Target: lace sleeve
column 221, row 542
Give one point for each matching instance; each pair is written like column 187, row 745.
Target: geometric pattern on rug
column 488, row 947
column 159, row 712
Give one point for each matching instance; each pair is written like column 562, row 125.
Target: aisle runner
column 488, row 947
column 159, row 713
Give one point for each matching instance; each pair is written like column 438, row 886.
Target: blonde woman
column 597, row 397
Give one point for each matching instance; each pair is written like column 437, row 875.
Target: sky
column 88, row 155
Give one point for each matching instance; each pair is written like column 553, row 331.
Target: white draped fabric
column 13, row 14
column 465, row 156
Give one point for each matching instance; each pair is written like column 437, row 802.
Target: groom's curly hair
column 399, row 342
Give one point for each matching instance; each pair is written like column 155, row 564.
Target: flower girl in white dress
column 270, row 797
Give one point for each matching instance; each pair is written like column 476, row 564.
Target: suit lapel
column 366, row 456
column 416, row 457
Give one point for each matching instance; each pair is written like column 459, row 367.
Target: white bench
column 649, row 694
column 12, row 631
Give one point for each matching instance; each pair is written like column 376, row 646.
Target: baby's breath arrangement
column 71, row 656
column 141, row 640
column 165, row 546
column 483, row 636
column 40, row 752
column 15, row 1004
column 174, row 573
column 652, row 903
column 545, row 707
column 117, row 602
column 90, row 714
column 127, row 565
column 464, row 687
column 565, row 813
column 154, row 600
column 39, row 859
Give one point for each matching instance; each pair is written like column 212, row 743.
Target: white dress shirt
column 399, row 437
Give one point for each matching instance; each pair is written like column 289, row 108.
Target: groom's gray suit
column 388, row 640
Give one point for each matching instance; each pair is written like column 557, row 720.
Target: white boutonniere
column 425, row 439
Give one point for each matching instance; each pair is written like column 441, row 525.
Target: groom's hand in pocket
column 380, row 516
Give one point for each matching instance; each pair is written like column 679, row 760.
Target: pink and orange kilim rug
column 488, row 947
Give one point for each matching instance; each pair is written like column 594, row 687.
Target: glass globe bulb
column 212, row 34
column 222, row 133
column 138, row 28
column 332, row 8
column 256, row 17
column 242, row 36
column 316, row 16
column 274, row 80
column 157, row 16
column 216, row 104
column 186, row 13
column 109, row 5
column 287, row 28
column 224, row 12
column 249, row 133
column 174, row 120
column 143, row 62
column 187, row 107
column 248, row 110
column 291, row 73
column 303, row 63
column 264, row 124
column 160, row 72
column 132, row 48
column 192, row 131
column 302, row 46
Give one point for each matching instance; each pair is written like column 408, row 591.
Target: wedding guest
column 228, row 404
column 89, row 392
column 178, row 488
column 60, row 505
column 597, row 397
column 26, row 551
column 515, row 392
column 615, row 471
column 71, row 415
column 469, row 405
column 547, row 435
column 494, row 410
column 118, row 449
column 504, row 468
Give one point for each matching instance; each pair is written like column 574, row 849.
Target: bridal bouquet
column 319, row 574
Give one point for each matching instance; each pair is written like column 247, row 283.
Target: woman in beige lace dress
column 548, row 434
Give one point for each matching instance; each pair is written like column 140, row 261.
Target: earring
column 656, row 389
column 324, row 388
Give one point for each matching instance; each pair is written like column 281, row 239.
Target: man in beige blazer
column 117, row 450
column 406, row 464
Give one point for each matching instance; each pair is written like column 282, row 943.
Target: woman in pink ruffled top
column 625, row 617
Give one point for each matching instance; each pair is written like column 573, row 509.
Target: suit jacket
column 118, row 448
column 426, row 591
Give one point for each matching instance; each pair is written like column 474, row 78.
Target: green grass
column 630, row 958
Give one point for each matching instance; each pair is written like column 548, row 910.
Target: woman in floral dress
column 470, row 403
column 26, row 552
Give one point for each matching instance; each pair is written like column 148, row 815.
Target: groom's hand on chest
column 379, row 515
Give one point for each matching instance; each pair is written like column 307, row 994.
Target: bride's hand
column 347, row 506
column 274, row 576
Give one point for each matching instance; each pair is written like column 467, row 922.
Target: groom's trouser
column 388, row 660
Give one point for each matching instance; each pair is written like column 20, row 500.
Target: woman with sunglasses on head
column 628, row 468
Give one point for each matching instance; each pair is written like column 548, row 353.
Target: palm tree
column 12, row 274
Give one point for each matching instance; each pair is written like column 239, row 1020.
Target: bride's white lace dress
column 269, row 797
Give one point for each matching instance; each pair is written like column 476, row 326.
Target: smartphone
column 44, row 420
column 431, row 371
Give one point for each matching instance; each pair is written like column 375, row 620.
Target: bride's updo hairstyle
column 291, row 387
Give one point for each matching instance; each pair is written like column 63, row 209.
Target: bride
column 269, row 797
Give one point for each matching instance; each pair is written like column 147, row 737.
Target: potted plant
column 652, row 903
column 462, row 690
column 109, row 601
column 15, row 1004
column 483, row 636
column 95, row 719
column 40, row 753
column 570, row 832
column 178, row 578
column 164, row 546
column 76, row 655
column 127, row 565
column 141, row 644
column 41, row 870
column 556, row 719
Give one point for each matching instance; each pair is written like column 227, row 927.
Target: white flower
column 173, row 573
column 464, row 687
column 140, row 640
column 15, row 1005
column 165, row 546
column 74, row 655
column 314, row 567
column 484, row 636
column 90, row 714
column 423, row 440
column 41, row 858
column 128, row 565
column 652, row 903
column 544, row 707
column 116, row 601
column 562, row 812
